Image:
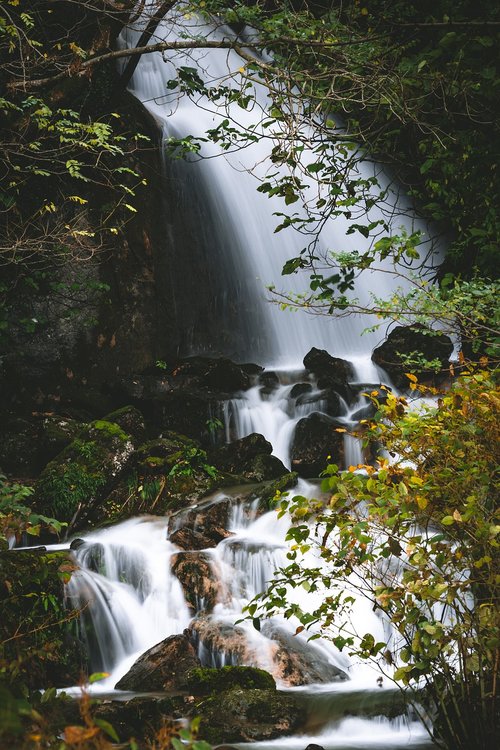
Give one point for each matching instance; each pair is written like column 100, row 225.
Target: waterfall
column 230, row 227
column 220, row 229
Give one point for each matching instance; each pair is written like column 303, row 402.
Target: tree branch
column 143, row 41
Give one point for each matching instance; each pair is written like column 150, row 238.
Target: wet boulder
column 131, row 422
column 298, row 662
column 269, row 381
column 331, row 372
column 327, row 401
column 414, row 341
column 140, row 717
column 220, row 643
column 165, row 666
column 317, row 442
column 200, row 579
column 249, row 715
column 250, row 459
column 202, row 526
column 219, row 375
column 300, row 389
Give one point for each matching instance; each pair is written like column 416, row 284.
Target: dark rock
column 409, row 340
column 249, row 458
column 163, row 667
column 27, row 444
column 365, row 412
column 206, row 524
column 233, row 456
column 270, row 492
column 159, row 456
column 77, row 543
column 208, row 680
column 315, row 440
column 199, row 579
column 219, row 375
column 269, row 380
column 297, row 662
column 249, row 715
column 190, row 539
column 299, row 389
column 263, row 468
column 184, row 412
column 331, row 372
column 326, row 401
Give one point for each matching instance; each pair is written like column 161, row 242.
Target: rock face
column 29, row 443
column 332, row 372
column 407, row 340
column 315, row 439
column 248, row 715
column 163, row 667
column 198, row 578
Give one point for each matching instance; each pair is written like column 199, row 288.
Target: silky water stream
column 129, row 596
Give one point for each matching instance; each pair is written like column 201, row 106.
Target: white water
column 131, row 601
column 223, row 194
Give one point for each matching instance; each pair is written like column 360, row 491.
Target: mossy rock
column 159, row 456
column 208, row 680
column 239, row 715
column 84, row 472
column 130, row 420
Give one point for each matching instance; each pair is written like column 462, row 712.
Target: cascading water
column 130, row 598
column 235, row 224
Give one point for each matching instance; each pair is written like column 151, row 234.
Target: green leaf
column 97, row 676
column 107, row 728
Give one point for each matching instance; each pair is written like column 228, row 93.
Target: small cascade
column 128, row 596
column 273, row 411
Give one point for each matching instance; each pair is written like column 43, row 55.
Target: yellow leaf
column 77, row 735
column 457, row 515
column 422, row 502
column 411, row 377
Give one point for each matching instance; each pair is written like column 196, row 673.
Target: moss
column 209, row 680
column 110, row 428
